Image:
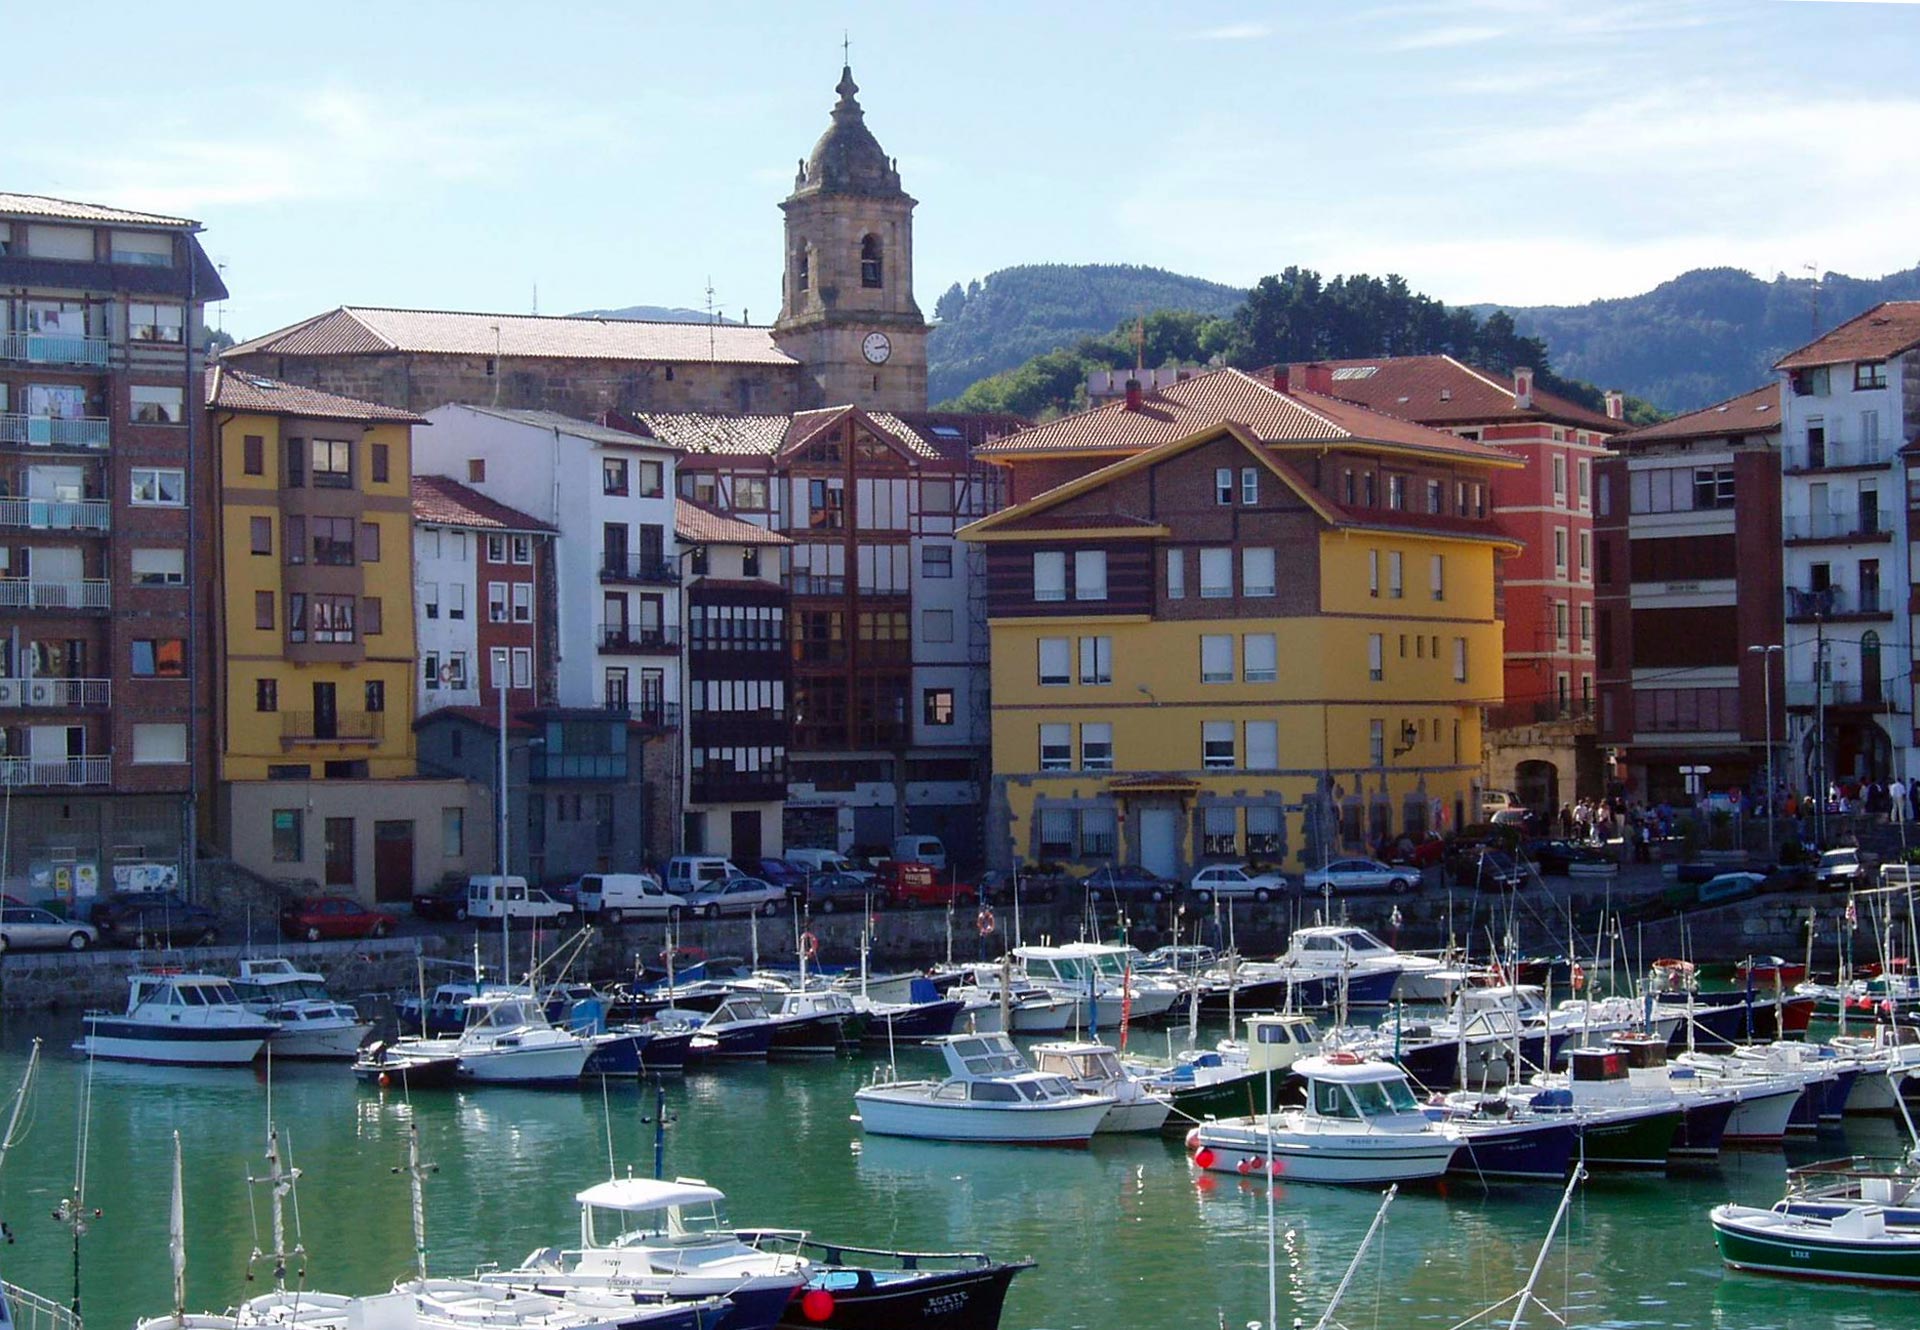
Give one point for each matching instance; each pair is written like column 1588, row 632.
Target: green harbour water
column 1124, row 1233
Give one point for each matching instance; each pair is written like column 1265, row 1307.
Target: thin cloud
column 1232, row 32
column 1461, row 34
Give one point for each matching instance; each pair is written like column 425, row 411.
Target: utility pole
column 1766, row 692
column 1820, row 728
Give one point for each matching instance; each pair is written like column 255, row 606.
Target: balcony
column 54, row 431
column 638, row 639
column 1835, row 527
column 656, row 715
column 54, row 349
column 1804, row 696
column 711, row 785
column 349, row 727
column 56, row 694
column 21, row 593
column 1509, row 714
column 1837, row 604
column 649, row 569
column 19, row 771
column 56, row 514
column 1799, row 459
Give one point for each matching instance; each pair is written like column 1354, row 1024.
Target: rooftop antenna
column 496, row 396
column 1139, row 345
column 1814, row 293
column 712, row 353
column 536, row 298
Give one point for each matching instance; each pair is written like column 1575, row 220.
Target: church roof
column 848, row 159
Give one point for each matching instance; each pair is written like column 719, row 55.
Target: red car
column 907, row 884
column 317, row 917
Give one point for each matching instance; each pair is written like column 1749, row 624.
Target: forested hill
column 1017, row 313
column 1703, row 336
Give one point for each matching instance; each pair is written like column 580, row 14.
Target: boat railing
column 33, row 1312
column 1828, row 1172
column 836, row 1253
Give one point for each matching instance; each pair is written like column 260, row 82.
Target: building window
column 1259, row 658
column 1090, row 575
column 613, row 475
column 476, row 471
column 266, row 695
column 1585, row 479
column 496, row 549
column 253, row 455
column 1436, row 497
column 1097, row 840
column 936, row 625
column 616, row 683
column 1256, row 570
column 1376, row 657
column 456, row 600
column 286, row 836
column 1096, row 746
column 1559, row 481
column 260, row 534
column 750, row 561
column 1056, row 748
column 1176, row 574
column 1560, row 623
column 652, row 479
column 1216, row 658
column 523, row 667
column 376, row 695
column 332, row 618
column 369, row 542
column 1056, row 833
column 1397, row 493
column 1559, row 551
column 159, row 745
column 1223, row 485
column 1586, row 627
column 296, row 451
column 453, row 832
column 332, row 463
column 332, row 541
column 159, row 487
column 522, row 547
column 1216, row 574
column 1586, row 556
column 155, row 323
column 750, row 493
column 936, row 706
column 430, row 599
column 1377, row 743
column 1049, row 575
column 455, row 670
column 496, row 602
column 1395, row 587
column 159, row 567
column 1216, row 745
column 1437, row 576
column 523, row 602
column 1347, row 491
column 1055, row 666
column 1459, row 660
column 1868, row 374
column 1263, row 745
column 378, row 463
column 371, row 623
column 936, row 561
column 1219, row 831
column 1263, row 830
column 1096, row 660
column 263, row 610
column 155, row 406
column 159, row 658
column 1373, row 573
column 430, row 672
column 1249, row 485
column 871, row 272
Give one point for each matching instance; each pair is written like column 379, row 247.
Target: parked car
column 826, row 893
column 447, row 902
column 780, row 873
column 1559, row 856
column 1233, row 881
column 738, row 895
column 997, row 888
column 1494, row 801
column 1361, row 875
column 1489, row 869
column 825, row 861
column 1129, row 882
column 921, row 850
column 1728, row 887
column 153, row 918
column 26, row 927
column 1429, row 850
column 609, row 898
column 688, row 873
column 1524, row 820
column 909, row 883
column 489, row 896
column 1468, row 841
column 318, row 917
column 1840, row 870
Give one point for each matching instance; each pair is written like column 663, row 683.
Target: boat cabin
column 1079, row 1062
column 496, row 1012
column 626, row 1212
column 1073, row 962
column 971, row 1056
column 1346, row 1087
column 1328, row 942
column 817, row 1002
column 1278, row 1040
column 156, row 989
column 275, row 979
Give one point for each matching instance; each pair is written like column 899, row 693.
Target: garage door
column 1160, row 841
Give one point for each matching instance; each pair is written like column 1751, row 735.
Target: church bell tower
column 847, row 312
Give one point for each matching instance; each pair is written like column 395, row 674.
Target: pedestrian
column 1897, row 794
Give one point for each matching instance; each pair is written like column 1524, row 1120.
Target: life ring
column 809, row 945
column 1342, row 1058
column 984, row 922
column 1579, row 979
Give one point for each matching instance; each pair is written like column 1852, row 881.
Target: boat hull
column 1761, row 1119
column 555, row 1065
column 338, row 1043
column 666, row 1052
column 1071, row 1124
column 1147, row 1114
column 1232, row 1097
column 888, row 1300
column 1530, row 1151
column 1703, row 1126
column 620, row 1053
column 922, row 1020
column 408, row 1073
column 1344, row 1159
column 1765, row 1241
column 116, row 1040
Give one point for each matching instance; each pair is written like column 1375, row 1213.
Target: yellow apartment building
column 1236, row 622
column 314, row 613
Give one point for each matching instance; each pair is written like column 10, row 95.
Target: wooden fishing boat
column 1856, row 1246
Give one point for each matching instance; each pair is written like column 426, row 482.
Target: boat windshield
column 1100, row 1066
column 1067, row 967
column 205, row 995
column 502, row 1015
column 1376, row 1098
column 1110, row 963
column 697, row 1222
column 295, row 990
column 1360, row 940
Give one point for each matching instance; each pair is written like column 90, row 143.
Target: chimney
column 1616, row 404
column 1316, row 378
column 1134, row 395
column 1522, row 387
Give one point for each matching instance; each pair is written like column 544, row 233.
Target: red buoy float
column 1204, row 1158
column 1193, row 1137
column 816, row 1304
column 1245, row 1166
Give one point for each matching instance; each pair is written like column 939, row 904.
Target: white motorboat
column 1100, row 980
column 646, row 1235
column 180, row 1019
column 1886, row 1054
column 507, row 1041
column 1768, row 1095
column 1360, row 1125
column 454, row 1304
column 1096, row 1069
column 990, row 1094
column 311, row 1024
column 1230, row 1079
column 1328, row 950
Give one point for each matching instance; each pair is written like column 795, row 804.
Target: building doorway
column 339, row 869
column 393, row 861
column 746, row 838
column 1538, row 785
column 1160, row 841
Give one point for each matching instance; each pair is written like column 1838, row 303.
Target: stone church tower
column 847, row 312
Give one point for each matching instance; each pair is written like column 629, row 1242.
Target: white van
column 920, row 850
column 490, row 896
column 687, row 873
column 611, row 897
column 825, row 861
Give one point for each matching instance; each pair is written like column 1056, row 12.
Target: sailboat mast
column 177, row 1239
column 1379, row 1218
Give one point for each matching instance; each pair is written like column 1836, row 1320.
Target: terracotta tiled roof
column 444, row 501
column 237, row 390
column 1439, row 390
column 725, row 436
column 1885, row 330
column 362, row 329
column 579, row 429
column 1754, row 412
column 926, row 434
column 700, row 525
column 487, row 718
column 66, row 210
column 1185, row 408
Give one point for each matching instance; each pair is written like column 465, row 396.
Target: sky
column 473, row 155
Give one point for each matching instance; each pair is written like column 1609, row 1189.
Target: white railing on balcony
column 54, row 432
column 92, row 770
column 56, row 514
column 53, row 348
column 1838, row 526
column 21, row 593
column 1836, row 453
column 51, row 694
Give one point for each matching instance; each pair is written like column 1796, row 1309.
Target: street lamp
column 1765, row 652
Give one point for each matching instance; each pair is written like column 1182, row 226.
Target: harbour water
column 1124, row 1233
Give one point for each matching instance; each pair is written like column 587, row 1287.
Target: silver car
column 23, row 927
column 738, row 895
column 1363, row 875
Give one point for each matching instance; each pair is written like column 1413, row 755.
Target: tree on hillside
column 950, row 304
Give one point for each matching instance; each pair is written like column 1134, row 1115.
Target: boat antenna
column 1526, row 1297
column 177, row 1240
column 416, row 1176
column 1353, row 1266
column 659, row 1121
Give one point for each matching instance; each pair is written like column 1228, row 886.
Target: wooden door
column 393, row 861
column 340, row 852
